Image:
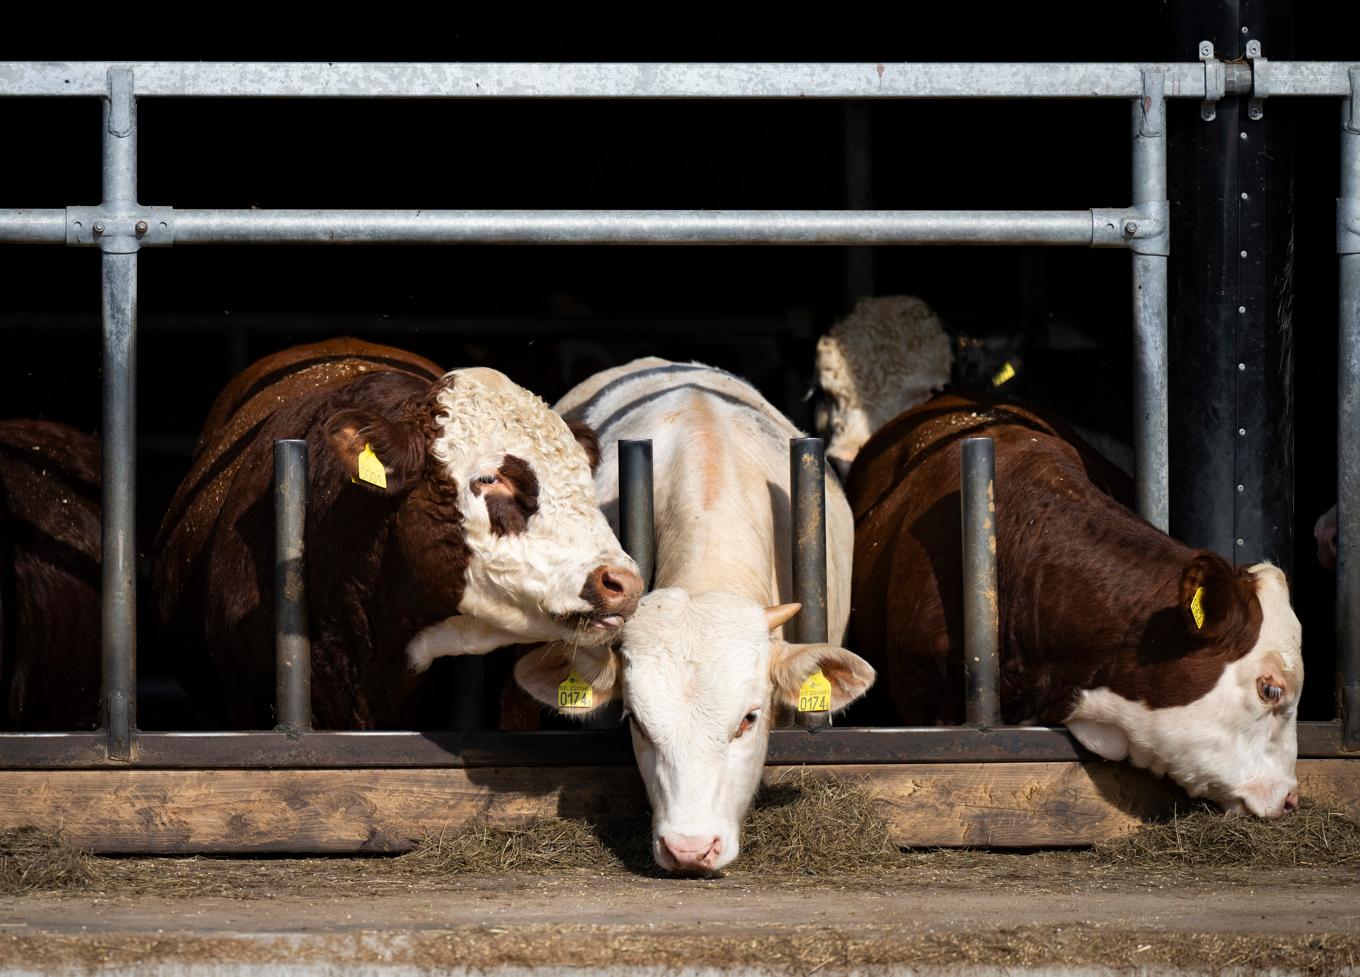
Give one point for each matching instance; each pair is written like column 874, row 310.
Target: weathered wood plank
column 995, row 804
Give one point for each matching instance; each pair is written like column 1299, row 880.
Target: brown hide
column 49, row 577
column 213, row 570
column 1090, row 594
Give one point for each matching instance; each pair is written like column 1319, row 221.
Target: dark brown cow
column 486, row 533
column 49, row 576
column 1145, row 648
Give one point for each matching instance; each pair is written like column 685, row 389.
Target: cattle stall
column 126, row 789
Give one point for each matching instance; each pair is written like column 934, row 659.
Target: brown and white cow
column 486, row 533
column 49, row 576
column 1147, row 649
column 702, row 667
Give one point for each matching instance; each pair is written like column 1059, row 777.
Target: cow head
column 700, row 677
column 890, row 354
column 1236, row 743
column 497, row 508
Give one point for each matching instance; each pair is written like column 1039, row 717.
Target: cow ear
column 1103, row 739
column 793, row 664
column 1208, row 596
column 557, row 675
column 587, row 438
column 362, row 437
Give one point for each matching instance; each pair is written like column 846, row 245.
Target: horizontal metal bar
column 276, row 749
column 32, row 226
column 617, row 80
column 1306, row 78
column 632, row 227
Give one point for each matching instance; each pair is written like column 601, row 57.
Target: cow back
column 49, row 576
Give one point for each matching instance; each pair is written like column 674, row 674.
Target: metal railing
column 120, row 226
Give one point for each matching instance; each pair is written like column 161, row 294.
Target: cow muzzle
column 689, row 853
column 613, row 593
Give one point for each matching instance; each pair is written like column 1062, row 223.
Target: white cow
column 702, row 666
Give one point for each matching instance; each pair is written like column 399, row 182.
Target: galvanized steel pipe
column 1348, row 423
column 1151, row 418
column 118, row 293
column 632, row 227
column 292, row 633
column 981, row 615
column 637, row 527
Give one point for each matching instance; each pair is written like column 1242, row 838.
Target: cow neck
column 1090, row 597
column 714, row 517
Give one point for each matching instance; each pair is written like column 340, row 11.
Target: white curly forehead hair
column 888, row 355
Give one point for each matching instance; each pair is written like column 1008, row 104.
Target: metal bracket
column 120, row 233
column 1141, row 230
column 1215, row 81
column 1260, row 81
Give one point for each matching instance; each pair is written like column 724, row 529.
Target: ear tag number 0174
column 815, row 694
column 574, row 694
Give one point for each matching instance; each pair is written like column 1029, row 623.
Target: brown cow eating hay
column 447, row 514
column 1147, row 649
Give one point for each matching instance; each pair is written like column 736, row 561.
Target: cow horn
column 780, row 614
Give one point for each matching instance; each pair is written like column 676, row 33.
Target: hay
column 1314, row 836
column 802, row 825
column 35, row 860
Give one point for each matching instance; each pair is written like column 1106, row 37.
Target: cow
column 447, row 513
column 49, row 577
column 702, row 668
column 1146, row 649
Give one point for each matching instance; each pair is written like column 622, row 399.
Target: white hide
column 696, row 658
column 1229, row 745
column 888, row 355
column 524, row 587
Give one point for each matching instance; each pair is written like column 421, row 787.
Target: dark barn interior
column 550, row 316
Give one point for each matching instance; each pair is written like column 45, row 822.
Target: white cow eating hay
column 701, row 667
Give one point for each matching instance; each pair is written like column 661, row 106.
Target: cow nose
column 692, row 851
column 613, row 591
column 1291, row 801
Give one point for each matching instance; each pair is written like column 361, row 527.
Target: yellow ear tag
column 371, row 469
column 1197, row 608
column 574, row 694
column 1003, row 374
column 815, row 695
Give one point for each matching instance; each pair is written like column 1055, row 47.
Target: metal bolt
column 99, row 227
column 1130, row 228
column 1242, row 135
column 1246, row 30
column 1244, row 195
column 1244, row 254
column 1253, row 49
column 1242, row 432
column 1206, row 50
column 1241, row 542
column 1242, row 310
column 1241, row 366
column 1255, row 112
column 142, row 228
column 1241, row 488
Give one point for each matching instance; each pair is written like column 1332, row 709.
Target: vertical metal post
column 1151, row 414
column 807, row 502
column 981, row 615
column 119, row 327
column 1348, row 423
column 637, row 531
column 807, row 499
column 292, row 641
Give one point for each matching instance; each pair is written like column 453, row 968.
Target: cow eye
column 1269, row 691
column 747, row 721
column 488, row 479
